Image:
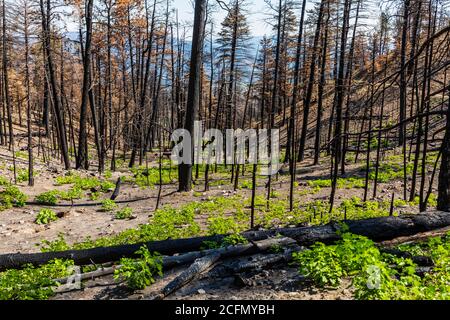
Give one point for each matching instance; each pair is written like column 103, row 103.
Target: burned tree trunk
column 185, row 169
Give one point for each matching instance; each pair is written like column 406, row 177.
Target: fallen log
column 199, row 266
column 416, row 238
column 175, row 261
column 377, row 229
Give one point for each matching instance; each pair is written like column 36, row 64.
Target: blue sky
column 257, row 12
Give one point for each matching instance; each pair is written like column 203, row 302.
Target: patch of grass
column 246, row 184
column 4, row 181
column 93, row 196
column 22, row 175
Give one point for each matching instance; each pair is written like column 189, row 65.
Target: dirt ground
column 19, row 233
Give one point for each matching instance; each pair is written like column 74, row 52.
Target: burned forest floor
column 71, row 210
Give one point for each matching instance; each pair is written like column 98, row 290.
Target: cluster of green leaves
column 11, row 196
column 392, row 168
column 22, row 175
column 85, row 183
column 52, row 197
column 140, row 273
column 48, row 198
column 221, row 224
column 109, row 205
column 231, row 240
column 33, row 283
column 21, row 155
column 342, row 183
column 169, row 222
column 125, row 213
column 377, row 275
column 246, row 184
column 77, row 191
column 385, row 143
column 149, row 177
column 4, row 181
column 45, row 216
column 276, row 213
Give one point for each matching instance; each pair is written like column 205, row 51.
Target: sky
column 257, row 12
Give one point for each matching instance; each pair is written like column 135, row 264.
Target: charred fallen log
column 377, row 229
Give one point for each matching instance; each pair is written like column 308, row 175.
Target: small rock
column 21, row 222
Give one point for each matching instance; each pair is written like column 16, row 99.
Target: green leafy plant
column 11, row 196
column 223, row 225
column 377, row 275
column 22, row 175
column 45, row 216
column 33, row 283
column 109, row 205
column 93, row 196
column 48, row 198
column 139, row 273
column 234, row 240
column 73, row 193
column 125, row 213
column 107, row 186
column 321, row 264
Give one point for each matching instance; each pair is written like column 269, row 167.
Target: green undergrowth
column 140, row 273
column 229, row 215
column 125, row 213
column 376, row 275
column 389, row 169
column 342, row 183
column 11, row 196
column 317, row 212
column 231, row 240
column 79, row 187
column 33, row 283
column 45, row 216
column 85, row 183
column 150, row 177
column 174, row 223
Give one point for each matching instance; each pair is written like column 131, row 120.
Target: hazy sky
column 257, row 12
